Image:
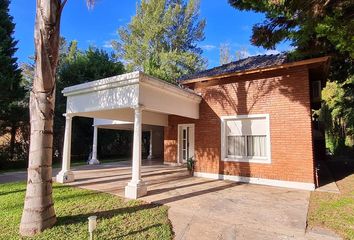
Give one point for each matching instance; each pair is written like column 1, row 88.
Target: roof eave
column 324, row 60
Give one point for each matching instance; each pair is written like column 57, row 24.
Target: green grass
column 117, row 218
column 334, row 211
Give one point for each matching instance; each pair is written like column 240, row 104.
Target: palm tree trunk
column 38, row 213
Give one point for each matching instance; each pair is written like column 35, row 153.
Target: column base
column 65, row 176
column 93, row 161
column 135, row 190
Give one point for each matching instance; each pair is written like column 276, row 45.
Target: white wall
column 164, row 101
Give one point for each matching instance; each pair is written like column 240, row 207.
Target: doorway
column 185, row 142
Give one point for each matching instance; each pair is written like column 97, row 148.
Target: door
column 186, row 142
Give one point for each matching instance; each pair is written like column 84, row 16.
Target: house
column 249, row 120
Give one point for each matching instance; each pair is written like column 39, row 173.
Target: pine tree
column 161, row 39
column 315, row 28
column 11, row 92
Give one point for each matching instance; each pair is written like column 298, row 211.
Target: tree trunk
column 13, row 140
column 38, row 213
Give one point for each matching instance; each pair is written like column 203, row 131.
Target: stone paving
column 205, row 208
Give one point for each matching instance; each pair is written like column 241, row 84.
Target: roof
column 250, row 63
column 255, row 64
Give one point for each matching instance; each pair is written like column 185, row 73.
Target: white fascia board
column 102, row 84
column 128, row 79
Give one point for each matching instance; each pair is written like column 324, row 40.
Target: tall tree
column 38, row 213
column 162, row 37
column 12, row 110
column 77, row 67
column 314, row 28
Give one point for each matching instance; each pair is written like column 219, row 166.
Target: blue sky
column 225, row 25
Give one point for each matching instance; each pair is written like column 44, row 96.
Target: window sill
column 264, row 160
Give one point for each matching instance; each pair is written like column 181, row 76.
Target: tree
column 38, row 213
column 77, row 67
column 12, row 109
column 314, row 28
column 225, row 53
column 161, row 39
column 338, row 113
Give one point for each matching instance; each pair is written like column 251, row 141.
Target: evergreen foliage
column 12, row 107
column 77, row 67
column 162, row 38
column 315, row 28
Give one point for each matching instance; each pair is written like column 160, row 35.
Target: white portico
column 133, row 98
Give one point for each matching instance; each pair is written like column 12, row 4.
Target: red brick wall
column 287, row 101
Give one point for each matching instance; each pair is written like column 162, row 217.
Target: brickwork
column 286, row 98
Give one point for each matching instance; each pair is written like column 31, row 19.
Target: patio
column 204, row 208
column 209, row 209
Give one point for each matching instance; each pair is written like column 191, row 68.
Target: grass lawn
column 117, row 218
column 335, row 211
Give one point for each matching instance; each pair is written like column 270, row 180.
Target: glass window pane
column 236, row 145
column 256, row 146
column 240, row 145
column 230, row 145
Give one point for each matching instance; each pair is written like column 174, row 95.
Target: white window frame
column 249, row 159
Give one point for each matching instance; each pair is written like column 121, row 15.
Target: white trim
column 244, row 116
column 173, row 164
column 192, row 135
column 248, row 159
column 102, row 84
column 263, row 160
column 131, row 79
column 261, row 181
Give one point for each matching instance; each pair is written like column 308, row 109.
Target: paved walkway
column 204, row 208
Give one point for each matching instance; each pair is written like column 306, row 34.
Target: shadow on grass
column 12, row 192
column 82, row 218
column 139, row 231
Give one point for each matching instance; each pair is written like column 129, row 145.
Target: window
column 246, row 138
column 316, row 90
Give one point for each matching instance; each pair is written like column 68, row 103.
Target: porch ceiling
column 115, row 97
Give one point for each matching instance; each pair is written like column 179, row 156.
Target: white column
column 65, row 175
column 94, row 159
column 136, row 187
column 150, row 146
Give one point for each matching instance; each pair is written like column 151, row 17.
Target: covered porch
column 133, row 99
